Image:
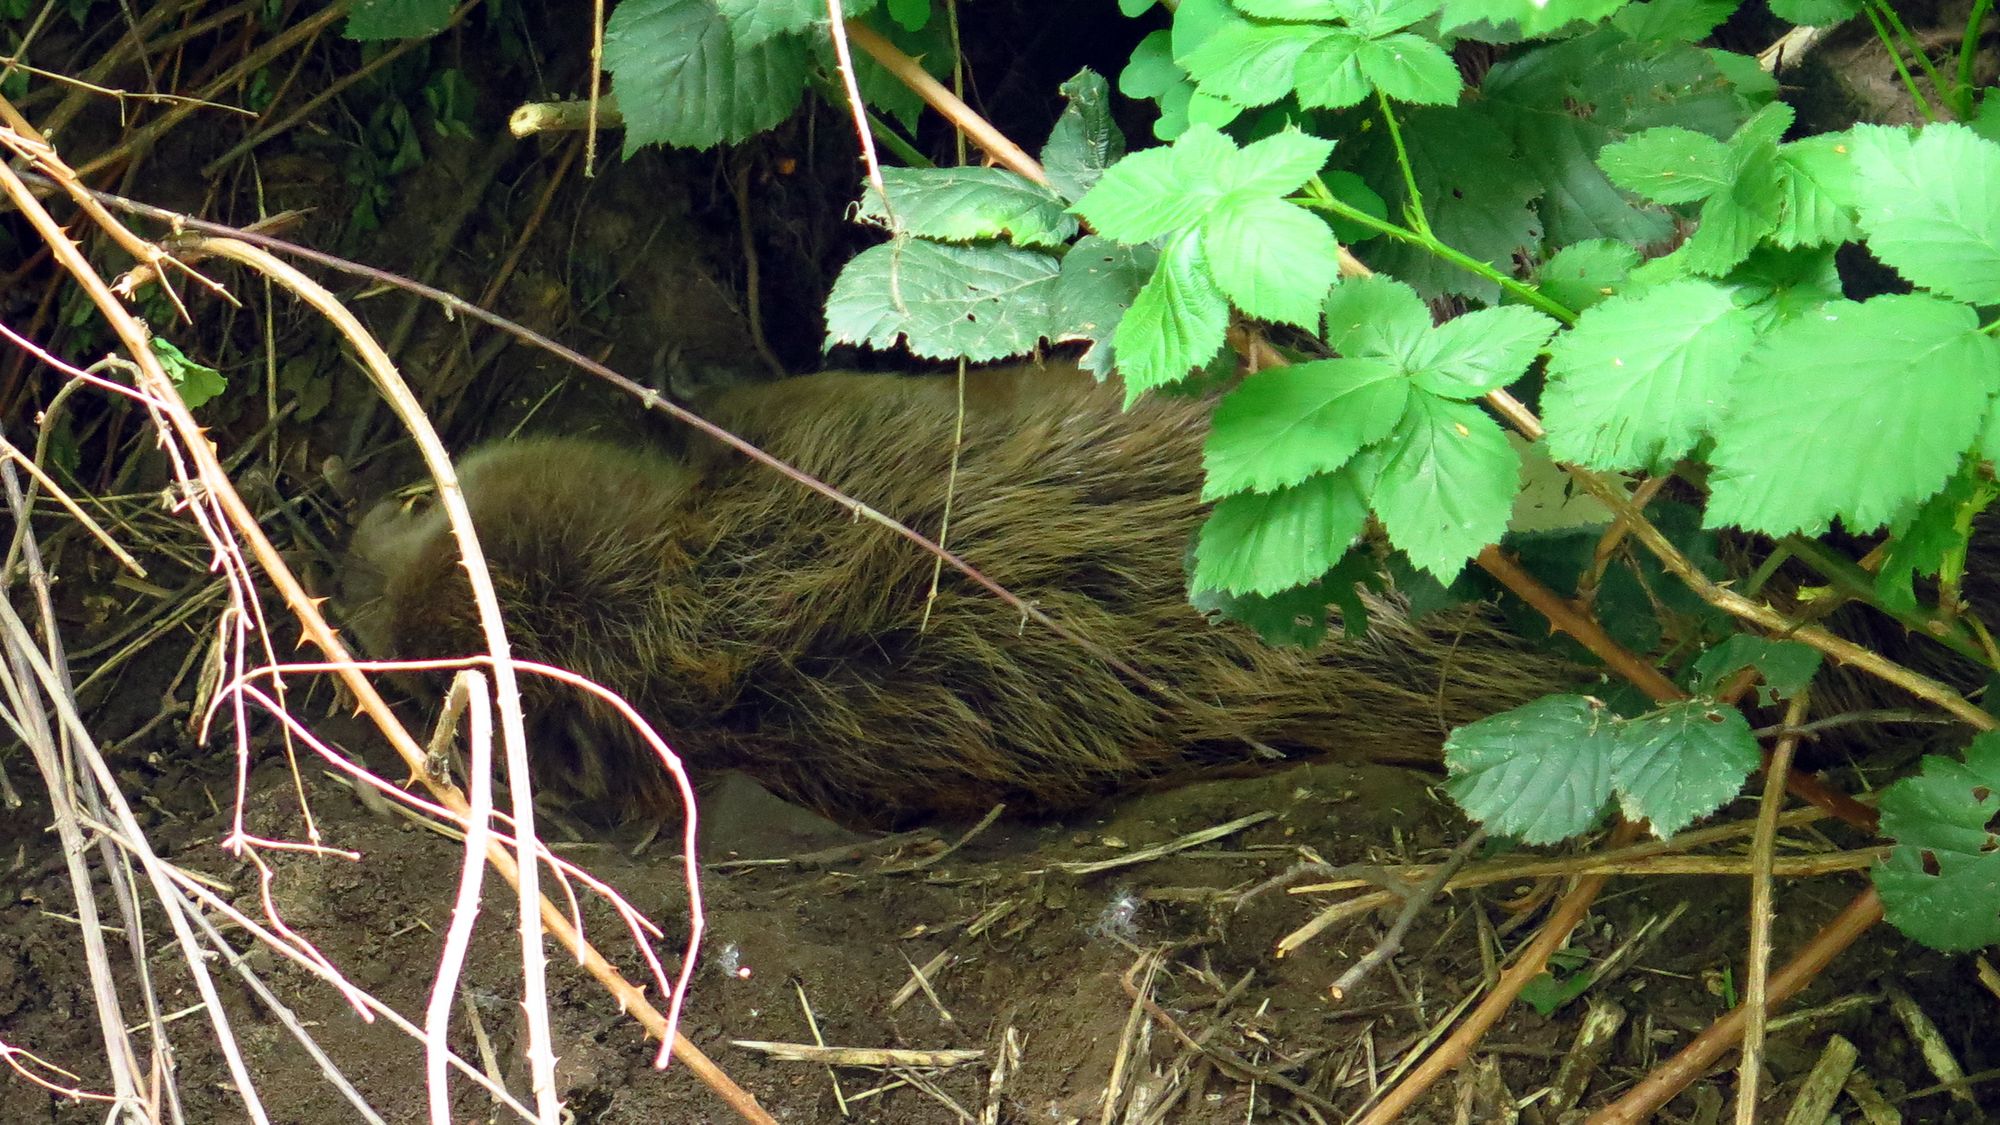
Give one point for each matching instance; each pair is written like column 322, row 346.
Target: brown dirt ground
column 843, row 935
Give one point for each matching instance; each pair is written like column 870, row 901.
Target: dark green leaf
column 1681, row 763
column 968, row 203
column 945, row 301
column 681, row 79
column 397, row 19
column 1085, row 140
column 1541, row 772
column 1941, row 883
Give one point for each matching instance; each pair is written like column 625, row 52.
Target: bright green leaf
column 752, row 22
column 1275, row 165
column 1328, row 75
column 1266, row 543
column 967, row 203
column 1274, row 259
column 1643, row 376
column 1673, row 20
column 1668, row 164
column 1816, row 13
column 1376, row 18
column 1284, row 424
column 1931, row 206
column 1175, row 324
column 1817, row 178
column 1585, row 273
column 1251, row 64
column 1410, row 68
column 196, row 382
column 1856, row 412
column 1480, row 352
column 1376, row 316
column 1154, row 193
column 1448, row 485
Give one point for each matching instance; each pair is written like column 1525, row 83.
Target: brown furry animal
column 762, row 628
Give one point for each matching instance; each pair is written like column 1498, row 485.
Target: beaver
column 762, row 629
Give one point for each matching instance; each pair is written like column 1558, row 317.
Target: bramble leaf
column 1100, row 278
column 1448, row 485
column 1941, row 882
column 1642, row 377
column 1284, row 424
column 1269, row 542
column 1175, row 324
column 1541, row 772
column 943, row 301
column 1274, row 259
column 681, row 79
column 1376, row 316
column 1480, row 352
column 967, row 203
column 1786, row 666
column 1585, row 273
column 1085, row 140
column 1857, row 411
column 1681, row 763
column 1410, row 68
column 1668, row 164
column 1154, row 193
column 1927, row 206
column 397, row 19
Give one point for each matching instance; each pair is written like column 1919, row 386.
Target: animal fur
column 762, row 628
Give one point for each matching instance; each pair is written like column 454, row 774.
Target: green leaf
column 1410, row 68
column 1269, row 542
column 1284, row 424
column 1673, row 20
column 913, row 15
column 1375, row 315
column 1376, row 18
column 1786, row 666
column 1355, row 192
column 1328, row 74
column 980, row 302
column 1085, row 140
column 1276, row 165
column 1816, row 13
column 197, row 382
column 1099, row 280
column 1273, row 258
column 967, row 203
column 1816, row 176
column 1928, row 206
column 1856, row 412
column 753, row 22
column 1175, row 324
column 1775, row 285
column 1480, row 352
column 1251, row 64
column 681, row 79
column 1936, row 533
column 1581, row 275
column 1734, row 221
column 1681, row 763
column 1448, row 485
column 1941, row 882
column 1541, row 772
column 1669, row 164
column 370, row 20
column 1152, row 194
column 1642, row 377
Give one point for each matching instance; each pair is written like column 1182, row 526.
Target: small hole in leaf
column 1931, row 864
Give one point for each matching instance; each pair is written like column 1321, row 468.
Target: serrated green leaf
column 964, row 204
column 1085, row 140
column 1480, row 352
column 1786, row 666
column 1681, row 762
column 1275, row 165
column 1668, row 164
column 1274, row 259
column 1550, row 499
column 1586, row 273
column 1928, row 206
column 1099, row 280
column 196, row 382
column 1299, row 10
column 1375, row 316
column 1855, row 412
column 1285, row 424
column 1673, row 20
column 1175, row 324
column 370, row 20
column 1775, row 285
column 1251, row 64
column 752, row 22
column 1410, row 68
column 1152, row 194
column 1642, row 377
column 944, row 301
column 1355, row 192
column 1816, row 13
column 1152, row 70
column 1448, row 484
column 1816, row 176
column 1735, row 220
column 1941, row 882
column 1541, row 772
column 1328, row 74
column 1375, row 18
column 1266, row 543
column 681, row 79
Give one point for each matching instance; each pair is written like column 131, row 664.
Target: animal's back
column 767, row 629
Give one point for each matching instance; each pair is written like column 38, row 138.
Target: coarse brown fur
column 761, row 627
